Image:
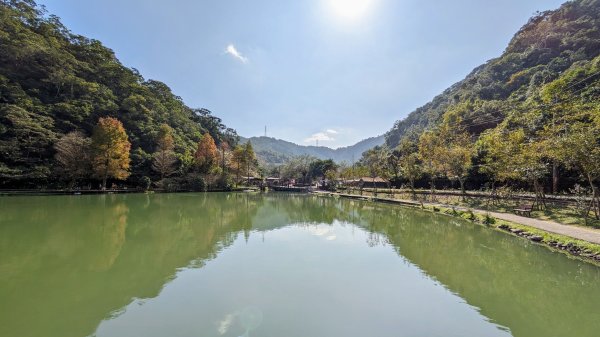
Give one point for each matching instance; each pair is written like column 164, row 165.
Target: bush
column 146, row 182
column 469, row 215
column 489, row 220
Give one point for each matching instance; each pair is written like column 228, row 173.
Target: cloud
column 324, row 136
column 232, row 50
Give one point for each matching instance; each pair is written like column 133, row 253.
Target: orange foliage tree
column 207, row 155
column 110, row 150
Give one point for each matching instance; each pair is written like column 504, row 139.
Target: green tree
column 456, row 156
column 249, row 159
column 410, row 166
column 429, row 154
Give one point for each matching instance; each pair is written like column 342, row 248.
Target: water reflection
column 68, row 263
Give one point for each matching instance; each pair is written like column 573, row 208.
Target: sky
column 337, row 71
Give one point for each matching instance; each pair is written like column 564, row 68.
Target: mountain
column 548, row 45
column 53, row 82
column 277, row 151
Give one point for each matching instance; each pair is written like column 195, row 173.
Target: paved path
column 576, row 232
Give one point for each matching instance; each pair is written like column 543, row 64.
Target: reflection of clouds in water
column 250, row 318
column 319, row 230
column 323, row 231
column 225, row 324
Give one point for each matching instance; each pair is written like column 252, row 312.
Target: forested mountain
column 548, row 45
column 277, row 151
column 53, row 82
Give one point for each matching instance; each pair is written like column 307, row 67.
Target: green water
column 276, row 265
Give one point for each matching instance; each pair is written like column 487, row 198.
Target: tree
column 580, row 148
column 409, row 163
column 110, row 150
column 249, row 159
column 73, row 155
column 207, row 156
column 164, row 160
column 456, row 156
column 429, row 154
column 238, row 162
column 376, row 162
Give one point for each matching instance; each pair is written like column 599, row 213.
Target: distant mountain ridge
column 276, row 151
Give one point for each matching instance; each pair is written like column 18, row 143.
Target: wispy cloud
column 232, row 50
column 323, row 136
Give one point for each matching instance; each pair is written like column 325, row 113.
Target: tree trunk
column 595, row 203
column 555, row 178
column 462, row 188
column 432, row 184
column 412, row 189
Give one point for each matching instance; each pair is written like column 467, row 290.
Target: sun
column 350, row 10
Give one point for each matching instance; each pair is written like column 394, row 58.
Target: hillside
column 549, row 44
column 53, row 82
column 277, row 151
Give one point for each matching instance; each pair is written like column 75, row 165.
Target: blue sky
column 335, row 70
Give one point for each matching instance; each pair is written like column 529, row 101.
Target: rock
column 516, row 231
column 536, row 238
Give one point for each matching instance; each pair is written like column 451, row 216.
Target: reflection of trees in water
column 111, row 249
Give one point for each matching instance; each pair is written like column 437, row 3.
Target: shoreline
column 573, row 247
column 117, row 191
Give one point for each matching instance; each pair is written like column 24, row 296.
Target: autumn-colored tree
column 164, row 160
column 73, row 155
column 207, row 155
column 110, row 150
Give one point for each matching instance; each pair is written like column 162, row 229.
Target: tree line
column 553, row 136
column 106, row 156
column 55, row 83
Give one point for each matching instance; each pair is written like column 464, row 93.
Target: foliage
column 53, row 82
column 73, row 155
column 206, row 157
column 110, row 150
column 549, row 44
column 164, row 159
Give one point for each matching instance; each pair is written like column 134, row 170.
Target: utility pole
column 265, row 131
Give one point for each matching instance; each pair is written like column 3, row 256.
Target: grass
column 580, row 249
column 555, row 241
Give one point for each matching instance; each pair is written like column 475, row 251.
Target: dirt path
column 576, row 232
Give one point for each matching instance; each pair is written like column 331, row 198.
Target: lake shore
column 578, row 242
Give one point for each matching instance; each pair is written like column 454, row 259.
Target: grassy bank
column 580, row 249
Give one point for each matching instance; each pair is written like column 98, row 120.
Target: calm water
column 276, row 265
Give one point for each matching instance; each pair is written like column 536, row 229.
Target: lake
column 276, row 265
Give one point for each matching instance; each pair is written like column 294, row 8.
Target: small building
column 273, row 181
column 254, row 181
column 367, row 182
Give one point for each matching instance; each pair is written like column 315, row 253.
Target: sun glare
column 350, row 10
